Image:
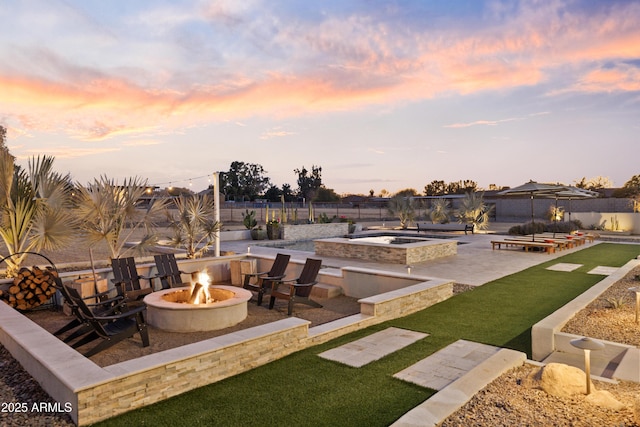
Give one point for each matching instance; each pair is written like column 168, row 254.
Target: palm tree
column 112, row 212
column 403, row 208
column 194, row 228
column 474, row 211
column 440, row 211
column 36, row 208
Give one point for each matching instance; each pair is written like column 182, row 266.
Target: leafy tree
column 407, row 192
column 194, row 228
column 462, row 187
column 112, row 212
column 273, row 194
column 243, row 180
column 403, row 208
column 594, row 184
column 324, row 194
column 630, row 189
column 309, row 182
column 36, row 208
column 287, row 192
column 435, row 188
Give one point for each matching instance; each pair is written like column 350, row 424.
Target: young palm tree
column 403, row 208
column 36, row 208
column 474, row 211
column 194, row 228
column 112, row 212
column 440, row 211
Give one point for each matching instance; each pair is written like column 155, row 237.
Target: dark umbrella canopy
column 572, row 193
column 533, row 189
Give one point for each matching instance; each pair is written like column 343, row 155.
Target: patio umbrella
column 533, row 189
column 571, row 193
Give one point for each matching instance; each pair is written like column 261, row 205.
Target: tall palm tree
column 36, row 208
column 194, row 228
column 112, row 212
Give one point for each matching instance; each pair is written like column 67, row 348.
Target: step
column 322, row 290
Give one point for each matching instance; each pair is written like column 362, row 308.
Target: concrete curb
column 448, row 400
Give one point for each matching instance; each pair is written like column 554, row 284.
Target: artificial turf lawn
column 304, row 389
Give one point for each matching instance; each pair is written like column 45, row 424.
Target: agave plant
column 194, row 228
column 112, row 212
column 36, row 208
column 474, row 211
column 403, row 208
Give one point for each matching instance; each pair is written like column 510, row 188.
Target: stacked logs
column 31, row 288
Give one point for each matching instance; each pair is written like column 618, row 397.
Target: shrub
column 527, row 228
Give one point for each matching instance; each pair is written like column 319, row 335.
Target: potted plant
column 273, row 228
column 250, row 222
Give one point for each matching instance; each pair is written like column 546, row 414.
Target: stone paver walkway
column 447, row 365
column 603, row 270
column 373, row 347
column 564, row 266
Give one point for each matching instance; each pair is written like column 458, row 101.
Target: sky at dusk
column 380, row 94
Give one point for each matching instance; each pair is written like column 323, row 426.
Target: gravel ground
column 513, row 399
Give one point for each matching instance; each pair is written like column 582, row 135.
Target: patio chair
column 263, row 281
column 111, row 329
column 105, row 307
column 127, row 280
column 297, row 290
column 169, row 273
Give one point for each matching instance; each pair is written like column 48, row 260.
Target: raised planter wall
column 97, row 393
column 314, row 231
column 627, row 221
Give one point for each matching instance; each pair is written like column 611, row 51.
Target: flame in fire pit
column 200, row 290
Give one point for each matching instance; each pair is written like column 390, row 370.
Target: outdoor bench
column 426, row 226
column 547, row 247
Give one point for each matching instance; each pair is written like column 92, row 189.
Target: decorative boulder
column 604, row 399
column 562, row 380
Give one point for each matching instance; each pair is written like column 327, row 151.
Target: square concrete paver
column 447, row 365
column 373, row 347
column 603, row 270
column 564, row 266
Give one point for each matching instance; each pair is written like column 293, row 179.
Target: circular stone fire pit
column 170, row 310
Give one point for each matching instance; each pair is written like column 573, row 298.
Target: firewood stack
column 31, row 288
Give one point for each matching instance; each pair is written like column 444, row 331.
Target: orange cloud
column 340, row 64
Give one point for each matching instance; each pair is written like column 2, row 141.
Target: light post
column 636, row 290
column 216, row 202
column 587, row 344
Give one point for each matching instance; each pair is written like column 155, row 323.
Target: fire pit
column 197, row 308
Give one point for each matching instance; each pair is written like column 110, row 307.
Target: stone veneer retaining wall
column 314, row 231
column 99, row 393
column 408, row 253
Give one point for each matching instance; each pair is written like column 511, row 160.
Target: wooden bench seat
column 560, row 243
column 427, row 226
column 526, row 245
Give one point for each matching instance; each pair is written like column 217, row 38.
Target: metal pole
column 587, row 368
column 216, row 202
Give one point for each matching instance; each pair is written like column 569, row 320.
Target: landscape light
column 587, row 344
